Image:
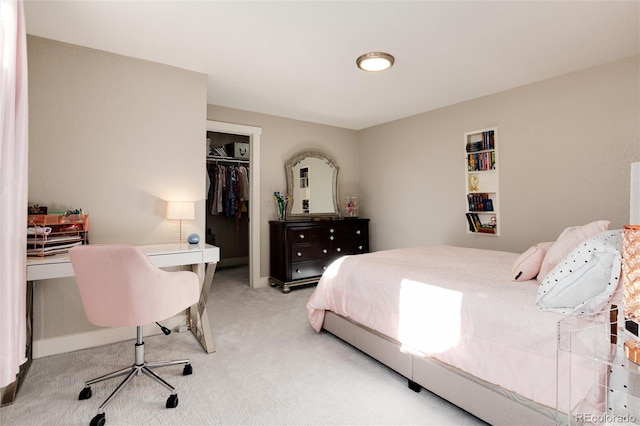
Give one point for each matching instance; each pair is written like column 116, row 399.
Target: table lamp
column 630, row 266
column 181, row 210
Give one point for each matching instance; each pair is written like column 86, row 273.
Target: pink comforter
column 456, row 304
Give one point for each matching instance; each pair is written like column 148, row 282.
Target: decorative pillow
column 569, row 239
column 586, row 280
column 528, row 264
column 566, row 231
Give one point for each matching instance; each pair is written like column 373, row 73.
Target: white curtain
column 13, row 188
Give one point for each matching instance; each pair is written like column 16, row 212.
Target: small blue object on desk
column 193, row 239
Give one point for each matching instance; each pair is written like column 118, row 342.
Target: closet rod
column 213, row 159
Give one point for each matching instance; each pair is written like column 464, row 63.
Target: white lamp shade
column 183, row 210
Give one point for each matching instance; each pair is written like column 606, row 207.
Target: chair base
column 139, row 367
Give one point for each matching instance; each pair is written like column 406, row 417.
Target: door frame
column 254, row 190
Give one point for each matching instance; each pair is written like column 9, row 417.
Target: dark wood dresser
column 302, row 250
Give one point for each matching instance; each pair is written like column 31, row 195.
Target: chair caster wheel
column 85, row 394
column 98, row 420
column 172, row 401
column 187, row 370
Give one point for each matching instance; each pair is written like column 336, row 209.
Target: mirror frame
column 289, row 165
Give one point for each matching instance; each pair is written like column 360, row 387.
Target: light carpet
column 269, row 368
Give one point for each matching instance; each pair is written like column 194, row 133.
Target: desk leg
column 198, row 317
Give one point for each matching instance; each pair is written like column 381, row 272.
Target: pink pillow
column 528, row 264
column 569, row 240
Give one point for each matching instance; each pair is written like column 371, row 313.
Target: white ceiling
column 296, row 59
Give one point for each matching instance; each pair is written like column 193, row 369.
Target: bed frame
column 486, row 401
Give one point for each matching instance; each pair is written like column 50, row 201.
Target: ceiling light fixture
column 375, row 61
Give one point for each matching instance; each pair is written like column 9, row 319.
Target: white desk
column 202, row 258
column 162, row 255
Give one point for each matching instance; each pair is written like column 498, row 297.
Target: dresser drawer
column 339, row 232
column 350, row 247
column 300, row 235
column 324, row 234
column 301, row 270
column 302, row 252
column 352, row 232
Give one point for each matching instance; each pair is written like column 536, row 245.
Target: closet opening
column 228, row 199
column 254, row 134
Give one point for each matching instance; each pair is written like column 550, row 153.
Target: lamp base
column 632, row 351
column 632, row 347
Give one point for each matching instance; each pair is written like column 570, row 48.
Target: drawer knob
column 324, row 251
column 331, row 230
column 298, row 271
column 332, row 238
column 359, row 247
column 302, row 236
column 338, row 249
column 358, row 232
column 324, row 268
column 299, row 254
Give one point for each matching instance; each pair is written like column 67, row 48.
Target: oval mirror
column 312, row 183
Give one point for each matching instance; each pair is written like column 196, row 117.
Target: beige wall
column 565, row 148
column 281, row 139
column 117, row 137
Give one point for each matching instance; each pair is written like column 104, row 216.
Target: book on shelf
column 476, row 226
column 481, row 161
column 487, row 143
column 474, row 146
column 472, row 226
column 480, row 202
column 486, row 230
column 488, row 139
column 474, row 222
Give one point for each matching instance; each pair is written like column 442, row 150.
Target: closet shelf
column 218, row 159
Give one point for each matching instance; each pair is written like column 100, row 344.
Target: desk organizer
column 51, row 234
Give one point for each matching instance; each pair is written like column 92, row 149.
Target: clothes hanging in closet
column 229, row 189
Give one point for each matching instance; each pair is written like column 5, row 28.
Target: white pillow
column 569, row 239
column 527, row 265
column 586, row 279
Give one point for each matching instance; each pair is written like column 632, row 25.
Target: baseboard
column 233, row 261
column 100, row 337
column 264, row 282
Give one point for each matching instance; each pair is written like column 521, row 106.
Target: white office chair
column 120, row 287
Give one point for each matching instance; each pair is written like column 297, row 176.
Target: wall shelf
column 482, row 208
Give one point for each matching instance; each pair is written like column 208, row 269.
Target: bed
column 454, row 321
